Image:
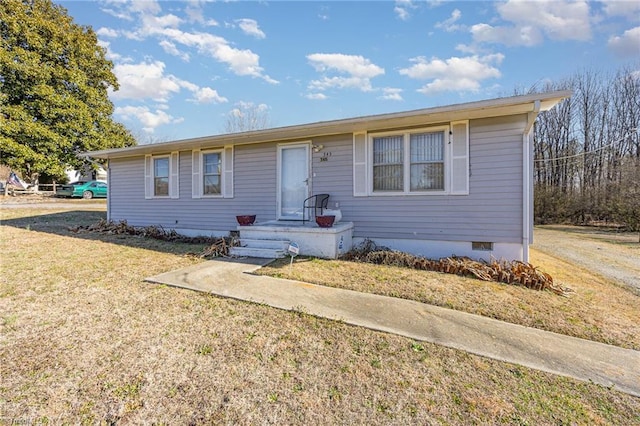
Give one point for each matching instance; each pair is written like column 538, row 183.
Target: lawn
column 83, row 339
column 595, row 310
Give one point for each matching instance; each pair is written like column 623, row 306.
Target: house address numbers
column 325, row 156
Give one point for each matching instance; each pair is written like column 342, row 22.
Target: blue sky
column 184, row 66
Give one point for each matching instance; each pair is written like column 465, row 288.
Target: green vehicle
column 87, row 190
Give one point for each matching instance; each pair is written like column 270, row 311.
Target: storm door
column 293, row 180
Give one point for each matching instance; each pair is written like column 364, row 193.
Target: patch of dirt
column 613, row 255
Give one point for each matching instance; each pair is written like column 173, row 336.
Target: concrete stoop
column 261, row 248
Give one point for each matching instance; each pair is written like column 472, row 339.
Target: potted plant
column 325, row 221
column 246, row 220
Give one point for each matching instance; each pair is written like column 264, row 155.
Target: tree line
column 587, row 152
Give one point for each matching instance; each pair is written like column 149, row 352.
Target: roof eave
column 471, row 110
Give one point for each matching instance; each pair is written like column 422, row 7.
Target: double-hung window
column 388, row 159
column 409, row 162
column 161, row 175
column 212, row 173
column 433, row 160
column 427, row 161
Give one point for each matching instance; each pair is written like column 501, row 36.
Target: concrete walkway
column 542, row 350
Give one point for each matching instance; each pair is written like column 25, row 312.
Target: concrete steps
column 263, row 248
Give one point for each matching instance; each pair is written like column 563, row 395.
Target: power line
column 587, row 152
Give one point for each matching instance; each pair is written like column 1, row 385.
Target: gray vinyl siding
column 491, row 212
column 254, row 193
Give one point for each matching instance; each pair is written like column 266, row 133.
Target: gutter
column 527, row 181
column 471, row 110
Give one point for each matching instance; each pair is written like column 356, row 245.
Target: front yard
column 83, row 339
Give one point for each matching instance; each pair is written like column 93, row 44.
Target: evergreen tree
column 53, row 90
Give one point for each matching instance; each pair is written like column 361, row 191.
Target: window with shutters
column 161, row 176
column 411, row 162
column 212, row 173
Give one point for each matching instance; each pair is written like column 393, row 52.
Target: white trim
column 174, row 175
column 360, row 161
column 513, row 105
column 202, row 154
column 454, row 139
column 149, row 174
column 281, row 146
column 527, row 181
column 406, row 133
column 227, row 171
column 196, row 182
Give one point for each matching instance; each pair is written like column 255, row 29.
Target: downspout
column 527, row 181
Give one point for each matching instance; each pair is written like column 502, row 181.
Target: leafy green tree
column 53, row 90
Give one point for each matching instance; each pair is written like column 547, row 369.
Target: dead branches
column 515, row 272
column 216, row 246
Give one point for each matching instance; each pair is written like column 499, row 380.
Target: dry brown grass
column 84, row 340
column 598, row 310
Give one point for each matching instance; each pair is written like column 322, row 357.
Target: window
column 427, row 161
column 161, row 177
column 212, row 173
column 388, row 158
column 424, row 161
column 416, row 158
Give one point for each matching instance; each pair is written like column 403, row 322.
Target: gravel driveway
column 613, row 255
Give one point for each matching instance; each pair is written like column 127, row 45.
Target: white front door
column 293, row 180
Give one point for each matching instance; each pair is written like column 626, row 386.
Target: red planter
column 325, row 221
column 246, row 220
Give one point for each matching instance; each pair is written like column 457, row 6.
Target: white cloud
column 525, row 35
column 241, row 62
column 449, row 24
column 316, row 96
column 150, row 7
column 118, row 14
column 155, row 24
column 453, row 74
column 149, row 119
column 391, row 94
column 207, row 95
column 628, row 44
column 557, row 19
column 145, row 80
column 107, row 32
column 403, row 9
column 171, row 49
column 358, row 70
column 355, row 65
column 250, row 27
column 111, row 55
column 628, row 8
column 325, row 83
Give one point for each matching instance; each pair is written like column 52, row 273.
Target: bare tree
column 247, row 116
column 587, row 151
